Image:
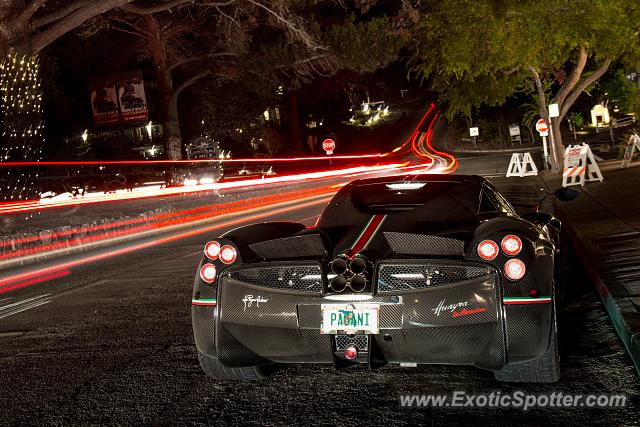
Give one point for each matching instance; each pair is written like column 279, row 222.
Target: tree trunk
column 172, row 134
column 558, row 145
column 544, row 114
column 295, row 132
column 168, row 105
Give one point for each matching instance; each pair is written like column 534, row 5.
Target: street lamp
column 84, row 135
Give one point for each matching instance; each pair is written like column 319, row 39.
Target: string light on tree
column 21, row 111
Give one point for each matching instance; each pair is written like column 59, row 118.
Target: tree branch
column 583, row 85
column 199, row 57
column 89, row 10
column 26, row 15
column 299, row 33
column 510, row 70
column 134, row 29
column 178, row 90
column 542, row 101
column 574, row 77
column 162, row 7
column 58, row 14
column 149, row 10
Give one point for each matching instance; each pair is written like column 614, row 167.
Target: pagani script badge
column 248, row 301
column 450, row 307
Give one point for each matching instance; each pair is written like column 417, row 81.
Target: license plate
column 350, row 318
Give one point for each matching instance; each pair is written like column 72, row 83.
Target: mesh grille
column 299, row 278
column 360, row 341
column 407, row 277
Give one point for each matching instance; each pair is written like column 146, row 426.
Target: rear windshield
column 383, row 197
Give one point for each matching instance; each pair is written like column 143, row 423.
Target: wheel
column 544, row 369
column 217, row 371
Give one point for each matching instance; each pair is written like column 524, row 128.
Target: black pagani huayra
column 408, row 270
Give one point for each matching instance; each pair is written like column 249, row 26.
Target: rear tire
column 217, row 371
column 544, row 369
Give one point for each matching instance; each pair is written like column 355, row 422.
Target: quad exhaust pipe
column 350, row 273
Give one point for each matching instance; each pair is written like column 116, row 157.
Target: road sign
column 474, row 131
column 329, row 145
column 542, row 127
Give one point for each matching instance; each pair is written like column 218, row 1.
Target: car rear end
column 420, row 280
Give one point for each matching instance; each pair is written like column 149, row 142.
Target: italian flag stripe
column 204, row 301
column 526, row 300
column 367, row 234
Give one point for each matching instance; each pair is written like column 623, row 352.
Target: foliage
column 479, row 52
column 617, row 89
column 235, row 118
column 578, row 120
column 364, row 46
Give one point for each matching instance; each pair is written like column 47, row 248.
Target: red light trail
column 147, row 192
column 160, row 221
column 36, row 275
column 419, row 143
column 12, row 287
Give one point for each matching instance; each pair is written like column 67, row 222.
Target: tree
column 350, row 39
column 28, row 26
column 194, row 42
column 481, row 52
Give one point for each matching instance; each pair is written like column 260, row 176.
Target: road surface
column 110, row 342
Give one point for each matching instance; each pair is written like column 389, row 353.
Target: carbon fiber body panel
column 459, row 323
column 421, row 244
column 305, row 246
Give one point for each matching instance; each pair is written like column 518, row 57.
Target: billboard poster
column 133, row 103
column 118, row 99
column 104, row 102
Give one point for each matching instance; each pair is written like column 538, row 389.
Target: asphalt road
column 111, row 343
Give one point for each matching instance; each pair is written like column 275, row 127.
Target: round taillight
column 350, row 352
column 208, row 273
column 488, row 250
column 514, row 269
column 511, row 245
column 228, row 254
column 212, row 250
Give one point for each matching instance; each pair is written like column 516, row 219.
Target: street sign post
column 328, row 145
column 514, row 133
column 474, row 133
column 543, row 130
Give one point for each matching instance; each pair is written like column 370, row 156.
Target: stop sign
column 328, row 145
column 542, row 127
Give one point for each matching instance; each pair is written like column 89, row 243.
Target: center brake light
column 488, row 250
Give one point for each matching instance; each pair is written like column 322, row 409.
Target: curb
column 497, row 151
column 630, row 337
